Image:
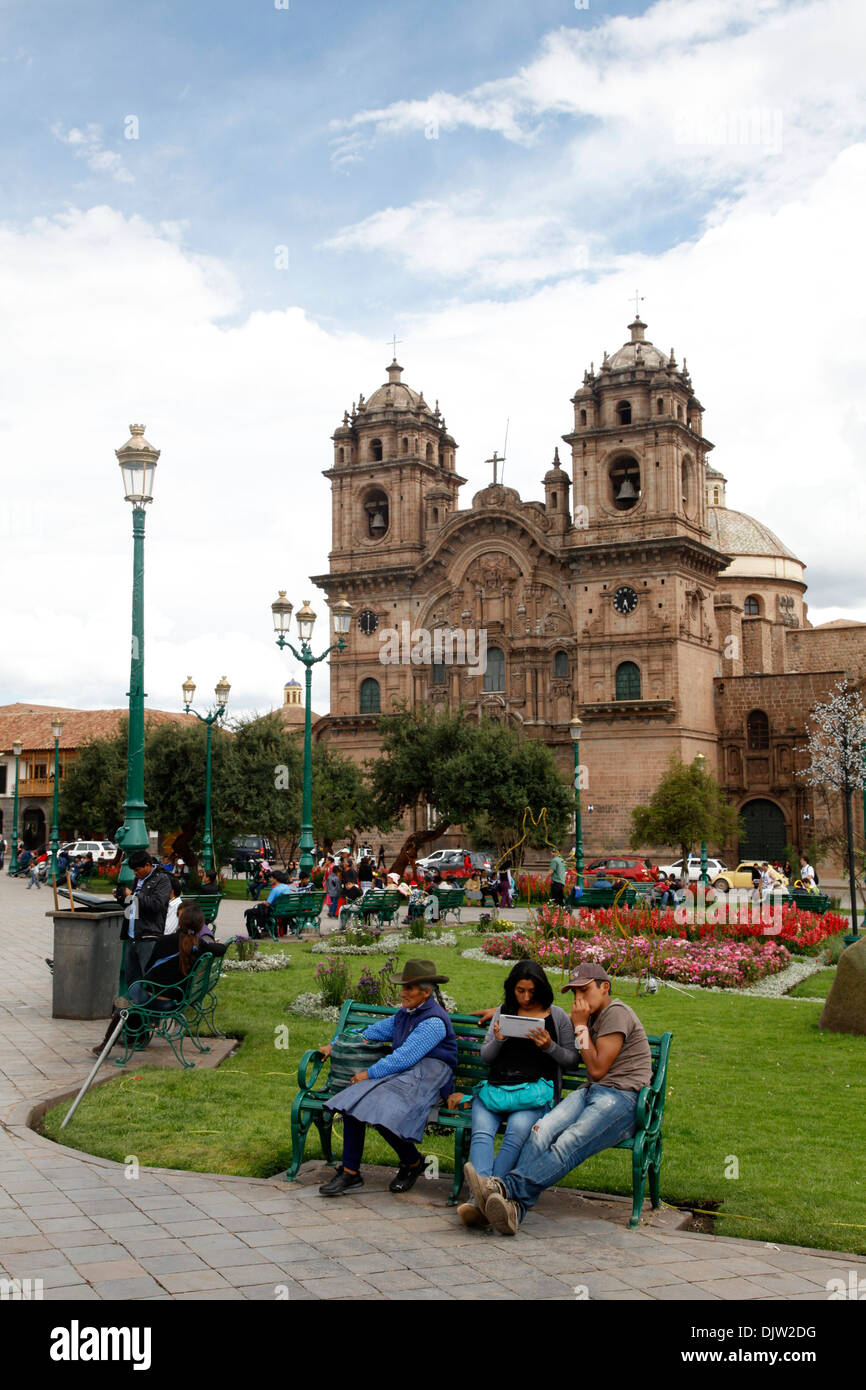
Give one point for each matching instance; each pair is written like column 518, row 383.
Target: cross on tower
column 638, row 300
column 394, row 341
column 496, row 460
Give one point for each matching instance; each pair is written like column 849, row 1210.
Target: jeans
column 586, row 1122
column 485, row 1123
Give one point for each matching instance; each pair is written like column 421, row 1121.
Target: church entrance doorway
column 33, row 828
column 763, row 834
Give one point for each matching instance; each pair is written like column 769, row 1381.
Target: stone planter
column 87, row 956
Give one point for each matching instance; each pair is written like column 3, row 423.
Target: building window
column 715, row 496
column 435, row 516
column 339, row 455
column 428, row 453
column 560, row 665
column 3, row 781
column 758, row 729
column 679, row 412
column 376, row 450
column 752, row 607
column 627, row 681
column 660, row 406
column 623, row 412
column 370, row 698
column 583, row 417
column 376, row 508
column 438, row 676
column 405, row 445
column 494, row 676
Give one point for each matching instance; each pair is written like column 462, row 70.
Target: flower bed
column 724, row 964
column 802, row 931
column 386, row 943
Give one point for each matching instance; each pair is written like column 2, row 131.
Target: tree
column 466, row 772
column 836, row 733
column 686, row 807
column 93, row 788
column 341, row 798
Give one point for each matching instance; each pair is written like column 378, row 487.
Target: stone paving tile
column 538, row 1286
column 374, row 1264
column 340, row 1286
column 257, row 1274
column 594, row 1281
column 172, row 1264
column 420, row 1295
column 80, row 1293
column 209, row 1295
column 477, row 1292
column 683, row 1293
column 733, row 1288
column 646, row 1276
column 193, row 1281
column 263, row 1293
column 618, row 1296
column 98, row 1271
column 785, row 1283
column 144, row 1287
column 311, row 1269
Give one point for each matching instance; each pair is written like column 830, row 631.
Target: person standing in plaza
column 147, row 906
column 557, row 878
column 3, row 848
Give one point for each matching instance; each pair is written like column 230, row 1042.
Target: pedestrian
column 3, row 848
column 146, row 910
column 557, row 878
column 380, row 863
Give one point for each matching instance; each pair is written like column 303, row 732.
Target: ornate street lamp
column 701, row 765
column 221, row 691
column 342, row 617
column 54, row 841
column 137, row 461
column 574, row 729
column 17, row 749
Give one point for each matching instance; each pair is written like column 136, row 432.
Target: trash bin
column 87, row 956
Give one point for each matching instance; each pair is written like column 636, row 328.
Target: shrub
column 332, row 978
column 377, row 987
column 245, row 946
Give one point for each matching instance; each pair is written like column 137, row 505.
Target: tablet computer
column 515, row 1026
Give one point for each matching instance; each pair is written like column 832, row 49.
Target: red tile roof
column 32, row 725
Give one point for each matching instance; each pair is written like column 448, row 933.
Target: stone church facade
column 631, row 596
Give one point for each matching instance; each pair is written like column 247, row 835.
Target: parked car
column 442, row 859
column 675, row 870
column 103, row 851
column 252, row 847
column 741, row 876
column 629, row 866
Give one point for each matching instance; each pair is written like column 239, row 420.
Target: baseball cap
column 585, row 974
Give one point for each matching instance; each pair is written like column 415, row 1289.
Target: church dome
column 637, row 353
column 736, row 533
column 394, row 394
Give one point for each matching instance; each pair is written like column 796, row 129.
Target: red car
column 629, row 866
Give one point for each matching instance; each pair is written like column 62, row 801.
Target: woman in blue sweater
column 397, row 1093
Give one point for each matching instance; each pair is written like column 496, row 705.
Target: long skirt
column 401, row 1103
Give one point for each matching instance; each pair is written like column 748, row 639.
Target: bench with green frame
column 809, row 902
column 604, row 897
column 208, row 902
column 308, row 1106
column 190, row 1003
column 295, row 911
column 378, row 907
column 450, row 900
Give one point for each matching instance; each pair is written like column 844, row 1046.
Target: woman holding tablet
column 529, row 1042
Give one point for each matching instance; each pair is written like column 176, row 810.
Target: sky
column 214, row 217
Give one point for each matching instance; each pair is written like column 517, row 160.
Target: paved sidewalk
column 89, row 1231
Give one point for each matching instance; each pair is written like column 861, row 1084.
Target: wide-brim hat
column 419, row 972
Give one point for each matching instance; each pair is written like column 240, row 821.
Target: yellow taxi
column 741, row 876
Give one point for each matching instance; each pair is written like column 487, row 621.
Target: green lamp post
column 54, row 839
column 282, row 614
column 575, row 729
column 221, row 690
column 137, row 461
column 701, row 765
column 17, row 749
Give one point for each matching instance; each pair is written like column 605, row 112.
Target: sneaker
column 341, row 1183
column 471, row 1215
column 503, row 1215
column 50, row 963
column 481, row 1188
column 407, row 1176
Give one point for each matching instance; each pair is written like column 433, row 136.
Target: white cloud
column 88, row 144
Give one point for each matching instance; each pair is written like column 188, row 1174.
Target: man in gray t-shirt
column 615, row 1050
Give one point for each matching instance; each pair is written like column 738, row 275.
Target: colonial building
column 632, row 596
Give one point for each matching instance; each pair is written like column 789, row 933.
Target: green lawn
column 749, row 1079
column 815, row 987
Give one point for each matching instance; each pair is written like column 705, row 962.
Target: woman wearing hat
column 398, row 1092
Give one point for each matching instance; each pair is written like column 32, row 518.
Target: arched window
column 660, row 406
column 715, row 496
column 679, row 412
column 405, row 445
column 627, row 681
column 340, row 456
column 435, row 516
column 439, row 676
column 376, row 450
column 623, row 412
column 560, row 665
column 624, row 475
column 370, row 697
column 378, row 518
column 752, row 607
column 428, row 453
column 758, row 729
column 583, row 417
column 494, row 676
